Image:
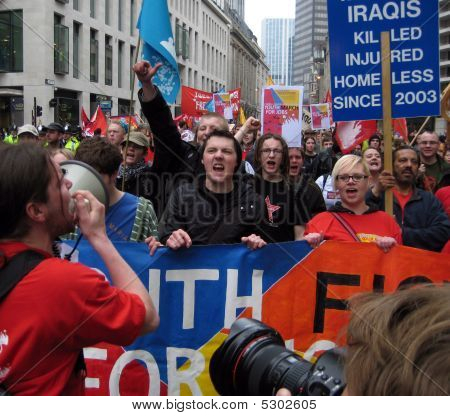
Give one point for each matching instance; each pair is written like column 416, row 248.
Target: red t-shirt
column 366, row 226
column 53, row 312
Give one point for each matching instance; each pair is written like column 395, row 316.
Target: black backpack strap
column 16, row 268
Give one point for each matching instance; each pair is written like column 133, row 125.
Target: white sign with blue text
column 355, row 28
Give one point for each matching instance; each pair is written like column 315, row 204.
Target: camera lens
column 254, row 361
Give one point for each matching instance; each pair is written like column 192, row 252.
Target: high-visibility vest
column 72, row 144
column 12, row 140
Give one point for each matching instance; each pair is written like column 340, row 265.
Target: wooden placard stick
column 387, row 115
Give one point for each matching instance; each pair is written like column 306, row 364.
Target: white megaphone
column 86, row 178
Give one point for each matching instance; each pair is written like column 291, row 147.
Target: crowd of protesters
column 172, row 186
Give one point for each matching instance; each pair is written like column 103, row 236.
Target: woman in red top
column 352, row 219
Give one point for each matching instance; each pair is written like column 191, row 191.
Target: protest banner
column 320, row 116
column 193, row 101
column 281, row 113
column 355, row 56
column 125, row 120
column 222, row 104
column 235, row 99
column 200, row 291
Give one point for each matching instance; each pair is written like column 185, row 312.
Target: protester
column 53, row 136
column 375, row 142
column 285, row 215
column 61, row 155
column 305, row 189
column 372, row 157
column 352, row 219
column 208, row 123
column 116, row 132
column 433, row 165
column 419, row 213
column 134, row 150
column 311, row 162
column 129, row 218
column 28, row 133
column 398, row 343
column 59, row 307
column 217, row 208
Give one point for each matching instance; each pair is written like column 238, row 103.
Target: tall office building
column 311, row 31
column 277, row 43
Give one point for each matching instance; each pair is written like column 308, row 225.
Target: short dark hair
column 25, row 174
column 103, row 156
column 227, row 135
column 374, row 137
column 403, row 147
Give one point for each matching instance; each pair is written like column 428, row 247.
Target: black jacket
column 310, row 195
column 175, row 162
column 424, row 223
column 211, row 218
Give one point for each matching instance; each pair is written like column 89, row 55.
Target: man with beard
column 58, row 307
column 419, row 213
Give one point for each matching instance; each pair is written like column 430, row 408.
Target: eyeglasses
column 357, row 177
column 269, row 151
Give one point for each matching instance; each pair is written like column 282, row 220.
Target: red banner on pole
column 193, row 101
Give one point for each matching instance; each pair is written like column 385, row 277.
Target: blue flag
column 159, row 46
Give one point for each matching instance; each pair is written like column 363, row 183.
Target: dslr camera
column 253, row 361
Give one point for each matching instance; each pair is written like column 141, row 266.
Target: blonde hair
column 399, row 344
column 348, row 162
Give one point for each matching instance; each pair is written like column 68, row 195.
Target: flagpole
column 133, row 78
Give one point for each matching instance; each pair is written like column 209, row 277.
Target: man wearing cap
column 133, row 153
column 54, row 136
column 28, row 133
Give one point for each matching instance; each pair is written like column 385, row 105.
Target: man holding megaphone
column 57, row 308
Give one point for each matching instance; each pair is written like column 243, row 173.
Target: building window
column 76, row 5
column 108, row 60
column 132, row 17
column 61, row 52
column 120, row 13
column 107, row 12
column 132, row 52
column 11, row 38
column 76, row 49
column 93, row 9
column 181, row 41
column 94, row 56
column 120, row 64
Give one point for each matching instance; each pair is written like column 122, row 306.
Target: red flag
column 351, row 133
column 84, row 119
column 98, row 121
column 193, row 101
column 399, row 126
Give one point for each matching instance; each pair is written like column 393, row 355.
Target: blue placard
column 355, row 28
